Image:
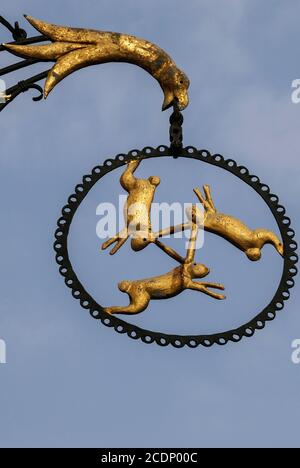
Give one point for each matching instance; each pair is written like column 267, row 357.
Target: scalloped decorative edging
column 87, row 302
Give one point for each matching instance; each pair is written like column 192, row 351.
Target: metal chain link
column 176, row 133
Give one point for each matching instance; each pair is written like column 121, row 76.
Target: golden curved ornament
column 74, row 48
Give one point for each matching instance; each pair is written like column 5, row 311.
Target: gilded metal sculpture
column 169, row 285
column 139, row 228
column 137, row 209
column 72, row 49
column 231, row 229
column 137, row 213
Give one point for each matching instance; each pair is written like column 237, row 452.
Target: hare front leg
column 119, row 239
column 203, row 287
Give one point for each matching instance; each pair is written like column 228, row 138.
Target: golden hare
column 141, row 292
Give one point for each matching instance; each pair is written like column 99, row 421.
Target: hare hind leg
column 139, row 301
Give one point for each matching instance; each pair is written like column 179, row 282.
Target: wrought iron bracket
column 20, row 37
column 17, row 33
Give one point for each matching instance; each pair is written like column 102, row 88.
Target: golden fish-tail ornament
column 76, row 48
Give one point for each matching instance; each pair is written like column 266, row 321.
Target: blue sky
column 68, row 380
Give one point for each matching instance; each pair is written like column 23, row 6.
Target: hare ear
column 168, row 100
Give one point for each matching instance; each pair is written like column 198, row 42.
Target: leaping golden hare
column 170, row 284
column 138, row 227
column 137, row 215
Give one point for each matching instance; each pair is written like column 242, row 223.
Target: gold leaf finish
column 233, row 230
column 76, row 48
column 141, row 292
column 138, row 228
column 249, row 241
column 136, row 211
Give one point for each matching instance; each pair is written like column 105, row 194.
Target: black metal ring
column 147, row 336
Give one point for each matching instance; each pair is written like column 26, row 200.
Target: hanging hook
column 23, row 87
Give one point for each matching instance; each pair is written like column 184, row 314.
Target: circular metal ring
column 163, row 339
